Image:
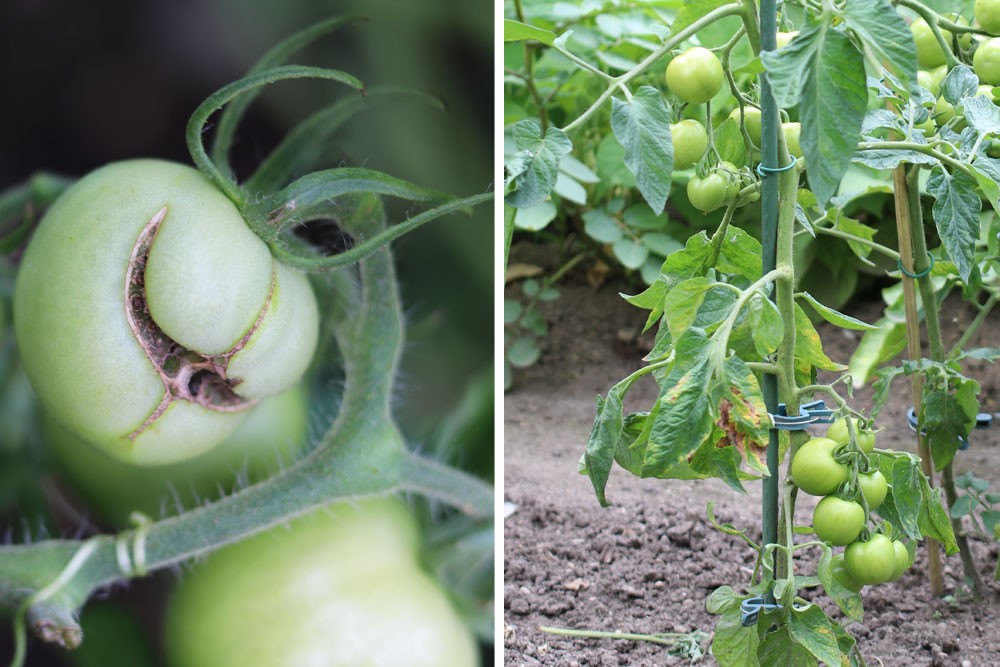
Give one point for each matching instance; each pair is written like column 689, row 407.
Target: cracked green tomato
column 150, row 319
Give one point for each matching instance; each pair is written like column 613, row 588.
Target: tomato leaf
column 836, row 317
column 987, row 173
column 886, row 33
column 934, row 521
column 877, row 347
column 603, row 440
column 734, row 645
column 947, row 414
column 810, row 627
column 742, row 415
column 832, row 109
column 765, row 325
column 982, row 115
column 959, row 83
column 684, row 421
column 729, row 142
column 778, row 648
column 956, row 215
column 515, row 31
column 808, row 346
column 907, row 496
column 886, row 158
column 642, row 126
column 855, row 228
column 536, row 165
column 740, row 255
column 681, row 304
column 788, row 67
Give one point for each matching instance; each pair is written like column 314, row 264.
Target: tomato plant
column 340, row 587
column 267, row 260
column 736, row 355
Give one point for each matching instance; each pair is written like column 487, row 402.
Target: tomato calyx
column 186, row 374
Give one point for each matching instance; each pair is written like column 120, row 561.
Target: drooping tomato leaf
column 810, row 627
column 642, row 126
column 956, row 216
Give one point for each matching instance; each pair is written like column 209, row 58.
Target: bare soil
column 647, row 563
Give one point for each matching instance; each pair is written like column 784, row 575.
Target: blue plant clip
column 983, row 420
column 814, row 412
column 750, row 610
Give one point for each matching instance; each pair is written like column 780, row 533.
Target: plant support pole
column 769, row 213
column 903, row 213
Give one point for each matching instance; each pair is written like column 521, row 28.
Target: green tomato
column 839, row 571
column 929, row 53
column 838, row 432
column 792, row 131
column 751, row 116
column 926, row 79
column 150, row 318
column 871, row 562
column 987, row 13
column 815, row 471
column 695, row 76
column 943, row 112
column 690, row 140
column 711, row 192
column 986, row 61
column 838, row 521
column 874, row 488
column 902, row 557
column 340, row 587
column 273, row 433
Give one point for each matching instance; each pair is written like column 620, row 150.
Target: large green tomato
column 929, row 53
column 273, row 434
column 871, row 562
column 838, row 521
column 150, row 318
column 815, row 471
column 838, row 432
column 695, row 76
column 690, row 140
column 987, row 12
column 339, row 587
column 986, row 61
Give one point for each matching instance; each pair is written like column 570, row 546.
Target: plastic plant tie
column 915, row 276
column 764, row 172
column 815, row 412
column 983, row 420
column 751, row 607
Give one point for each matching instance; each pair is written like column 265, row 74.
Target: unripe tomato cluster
column 816, row 471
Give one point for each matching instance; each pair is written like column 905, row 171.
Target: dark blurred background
column 90, row 82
